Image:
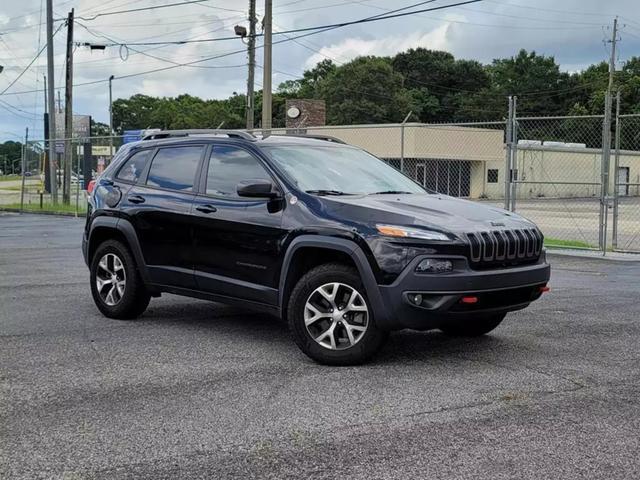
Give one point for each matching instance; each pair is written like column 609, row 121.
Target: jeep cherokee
column 329, row 238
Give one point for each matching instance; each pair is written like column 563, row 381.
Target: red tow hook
column 469, row 300
column 544, row 289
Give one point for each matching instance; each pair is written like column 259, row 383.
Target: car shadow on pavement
column 247, row 325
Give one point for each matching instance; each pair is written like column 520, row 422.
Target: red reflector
column 469, row 300
column 544, row 289
column 91, row 186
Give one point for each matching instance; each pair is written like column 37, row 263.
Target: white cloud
column 480, row 32
column 350, row 48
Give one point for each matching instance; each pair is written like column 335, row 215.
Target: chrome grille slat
column 506, row 247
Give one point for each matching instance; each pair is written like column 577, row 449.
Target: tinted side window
column 133, row 167
column 228, row 166
column 175, row 168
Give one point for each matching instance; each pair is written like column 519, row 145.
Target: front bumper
column 496, row 291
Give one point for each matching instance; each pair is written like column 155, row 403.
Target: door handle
column 206, row 208
column 136, row 199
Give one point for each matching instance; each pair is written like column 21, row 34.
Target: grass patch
column 557, row 242
column 47, row 207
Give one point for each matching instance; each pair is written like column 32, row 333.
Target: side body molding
column 359, row 259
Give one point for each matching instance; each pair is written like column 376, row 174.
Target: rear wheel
column 330, row 317
column 471, row 327
column 116, row 286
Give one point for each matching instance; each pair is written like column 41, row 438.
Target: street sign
column 81, row 126
column 98, row 150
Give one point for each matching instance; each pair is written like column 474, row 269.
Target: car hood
column 434, row 211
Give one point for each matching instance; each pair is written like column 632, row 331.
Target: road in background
column 199, row 390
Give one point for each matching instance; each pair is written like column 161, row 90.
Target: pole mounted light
column 240, row 31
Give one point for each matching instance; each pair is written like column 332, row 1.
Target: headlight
column 409, row 232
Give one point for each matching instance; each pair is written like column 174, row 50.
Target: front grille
column 504, row 248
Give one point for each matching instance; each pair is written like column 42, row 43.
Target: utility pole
column 252, row 63
column 616, row 167
column 47, row 172
column 513, row 175
column 52, row 117
column 68, row 114
column 111, row 117
column 25, row 150
column 266, row 82
column 508, row 148
column 606, row 143
column 612, row 60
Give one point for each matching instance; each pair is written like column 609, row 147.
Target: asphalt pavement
column 199, row 390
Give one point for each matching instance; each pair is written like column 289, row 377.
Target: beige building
column 469, row 161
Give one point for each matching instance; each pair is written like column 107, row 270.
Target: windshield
column 339, row 171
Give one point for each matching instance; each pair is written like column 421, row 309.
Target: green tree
column 366, row 90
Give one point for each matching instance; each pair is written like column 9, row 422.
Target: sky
column 573, row 31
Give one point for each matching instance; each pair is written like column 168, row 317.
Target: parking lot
column 200, row 390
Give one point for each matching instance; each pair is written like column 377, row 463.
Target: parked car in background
column 331, row 239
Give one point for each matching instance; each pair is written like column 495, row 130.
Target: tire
column 471, row 327
column 354, row 337
column 129, row 299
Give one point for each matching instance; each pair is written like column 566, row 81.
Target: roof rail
column 195, row 131
column 327, row 138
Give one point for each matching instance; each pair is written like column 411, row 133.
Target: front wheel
column 330, row 317
column 471, row 327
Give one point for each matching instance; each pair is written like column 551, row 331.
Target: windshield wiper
column 326, row 192
column 390, row 192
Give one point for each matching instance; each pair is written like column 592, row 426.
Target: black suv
column 327, row 237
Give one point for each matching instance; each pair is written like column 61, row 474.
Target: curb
column 31, row 212
column 595, row 255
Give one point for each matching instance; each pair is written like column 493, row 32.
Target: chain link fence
column 550, row 170
column 28, row 186
column 626, row 184
column 557, row 177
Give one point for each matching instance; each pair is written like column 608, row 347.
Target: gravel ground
column 199, row 390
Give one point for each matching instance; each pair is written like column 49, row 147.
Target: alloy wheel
column 336, row 316
column 111, row 279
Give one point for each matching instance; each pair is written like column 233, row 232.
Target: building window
column 492, row 175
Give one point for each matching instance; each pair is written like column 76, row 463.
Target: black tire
column 471, row 327
column 135, row 299
column 368, row 343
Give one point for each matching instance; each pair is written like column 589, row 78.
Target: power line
column 503, row 4
column 30, row 63
column 531, row 93
column 99, row 34
column 321, row 27
column 14, row 111
column 154, row 7
column 546, row 20
column 310, row 31
column 489, row 25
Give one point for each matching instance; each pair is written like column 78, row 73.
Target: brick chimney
column 302, row 113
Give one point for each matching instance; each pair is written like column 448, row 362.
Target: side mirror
column 257, row 189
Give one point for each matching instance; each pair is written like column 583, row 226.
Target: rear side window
column 132, row 168
column 175, row 168
column 228, row 166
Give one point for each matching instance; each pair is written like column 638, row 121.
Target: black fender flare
column 126, row 228
column 359, row 259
